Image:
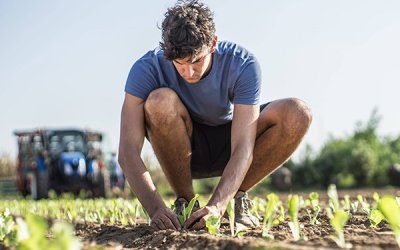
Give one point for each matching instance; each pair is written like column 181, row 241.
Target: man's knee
column 160, row 101
column 298, row 114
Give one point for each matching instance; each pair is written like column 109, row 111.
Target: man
column 197, row 101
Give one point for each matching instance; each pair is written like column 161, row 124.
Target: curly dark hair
column 187, row 28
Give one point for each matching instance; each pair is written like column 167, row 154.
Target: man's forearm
column 231, row 179
column 140, row 181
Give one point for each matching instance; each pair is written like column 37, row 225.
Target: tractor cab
column 65, row 160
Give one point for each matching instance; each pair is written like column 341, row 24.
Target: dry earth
column 357, row 232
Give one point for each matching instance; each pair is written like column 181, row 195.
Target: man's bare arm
column 131, row 143
column 244, row 128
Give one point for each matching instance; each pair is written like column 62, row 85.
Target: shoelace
column 245, row 205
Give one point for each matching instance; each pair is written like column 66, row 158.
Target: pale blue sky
column 64, row 63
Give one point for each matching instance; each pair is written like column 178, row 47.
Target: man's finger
column 174, row 220
column 155, row 224
column 200, row 224
column 195, row 217
column 167, row 222
column 162, row 224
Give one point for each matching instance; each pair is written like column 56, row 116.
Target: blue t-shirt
column 234, row 78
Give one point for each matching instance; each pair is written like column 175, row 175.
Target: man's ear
column 214, row 44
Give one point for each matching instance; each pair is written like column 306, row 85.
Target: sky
column 65, row 63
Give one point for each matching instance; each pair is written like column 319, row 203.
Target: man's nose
column 188, row 71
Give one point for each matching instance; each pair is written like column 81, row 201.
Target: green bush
column 358, row 160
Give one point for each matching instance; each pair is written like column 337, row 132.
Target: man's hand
column 198, row 219
column 164, row 218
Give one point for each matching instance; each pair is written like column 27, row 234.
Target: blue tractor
column 64, row 160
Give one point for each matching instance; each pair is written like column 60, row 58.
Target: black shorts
column 211, row 149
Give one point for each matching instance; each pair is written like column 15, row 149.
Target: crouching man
column 196, row 99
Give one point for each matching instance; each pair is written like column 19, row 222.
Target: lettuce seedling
column 281, row 213
column 64, row 237
column 365, row 207
column 294, row 224
column 375, row 217
column 230, row 209
column 333, row 198
column 316, row 208
column 346, row 203
column 213, row 223
column 146, row 215
column 269, row 215
column 6, row 224
column 187, row 211
column 255, row 207
column 338, row 221
column 240, row 228
column 376, row 197
column 391, row 210
column 354, row 206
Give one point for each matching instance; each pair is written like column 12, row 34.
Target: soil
column 357, row 232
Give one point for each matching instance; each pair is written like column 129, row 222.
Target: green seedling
column 346, row 203
column 6, row 224
column 231, row 216
column 294, row 224
column 333, row 198
column 391, row 210
column 302, row 202
column 187, row 211
column 338, row 221
column 269, row 215
column 64, row 237
column 30, row 234
column 213, row 223
column 365, row 207
column 258, row 207
column 316, row 208
column 146, row 215
column 376, row 197
column 375, row 217
column 354, row 206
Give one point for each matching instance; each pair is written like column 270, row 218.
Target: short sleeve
column 248, row 84
column 141, row 79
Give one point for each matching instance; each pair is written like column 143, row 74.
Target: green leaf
column 293, row 214
column 333, row 197
column 294, row 207
column 64, row 238
column 376, row 197
column 270, row 208
column 231, row 214
column 313, row 196
column 391, row 210
column 189, row 209
column 181, row 219
column 213, row 223
column 375, row 217
column 347, row 202
column 339, row 220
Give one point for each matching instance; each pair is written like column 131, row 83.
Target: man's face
column 193, row 69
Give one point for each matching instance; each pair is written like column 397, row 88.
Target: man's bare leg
column 170, row 128
column 280, row 129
